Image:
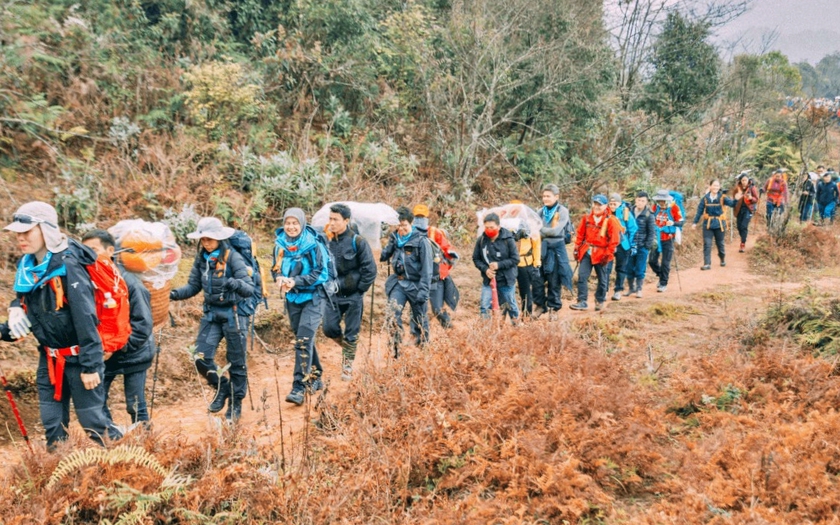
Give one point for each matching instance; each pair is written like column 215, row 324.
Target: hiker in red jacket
column 777, row 194
column 597, row 238
column 744, row 206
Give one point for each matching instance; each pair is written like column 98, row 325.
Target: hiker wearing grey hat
column 52, row 285
column 301, row 269
column 222, row 274
column 645, row 242
column 626, row 247
column 597, row 238
column 555, row 271
column 668, row 219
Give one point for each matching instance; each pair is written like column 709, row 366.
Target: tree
column 686, row 69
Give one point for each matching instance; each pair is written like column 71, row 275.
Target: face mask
column 491, row 234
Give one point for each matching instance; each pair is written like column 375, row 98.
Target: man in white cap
column 222, row 274
column 54, row 297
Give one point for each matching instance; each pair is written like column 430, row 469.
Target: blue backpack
column 244, row 246
column 328, row 279
column 679, row 200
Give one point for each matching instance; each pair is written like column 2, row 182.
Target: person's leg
column 523, row 282
column 485, row 302
column 55, row 414
column 106, row 385
column 602, row 271
column 654, row 260
column 234, row 332
column 538, row 286
column 665, row 265
column 708, row 235
column 89, row 405
column 332, row 319
column 584, row 271
column 535, row 283
column 769, row 208
column 621, row 256
column 720, row 239
column 553, row 300
column 210, row 334
column 744, row 217
column 353, row 308
column 294, row 311
column 640, row 268
column 135, row 396
column 396, row 304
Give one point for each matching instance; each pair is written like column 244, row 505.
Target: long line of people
column 324, row 276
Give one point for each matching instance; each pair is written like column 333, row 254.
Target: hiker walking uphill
column 597, row 238
column 409, row 254
column 133, row 360
column 644, row 242
column 827, row 197
column 301, row 269
column 443, row 291
column 222, row 274
column 777, row 195
column 528, row 276
column 356, row 271
column 621, row 211
column 556, row 232
column 808, row 194
column 497, row 257
column 669, row 219
column 55, row 299
column 744, row 206
column 711, row 211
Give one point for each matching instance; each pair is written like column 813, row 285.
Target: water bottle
column 110, row 302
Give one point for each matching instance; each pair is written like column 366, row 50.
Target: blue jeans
column 305, row 318
column 135, row 395
column 397, row 300
column 223, row 323
column 772, row 209
column 507, row 301
column 637, row 266
column 827, row 210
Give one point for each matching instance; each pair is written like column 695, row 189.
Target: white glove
column 19, row 324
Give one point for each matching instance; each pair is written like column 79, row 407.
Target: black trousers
column 718, row 236
column 660, row 261
column 743, row 222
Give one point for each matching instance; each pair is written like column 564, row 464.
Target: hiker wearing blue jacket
column 645, row 242
column 301, row 269
column 627, row 247
column 827, row 196
column 711, row 211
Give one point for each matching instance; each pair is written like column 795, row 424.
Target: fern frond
column 92, row 456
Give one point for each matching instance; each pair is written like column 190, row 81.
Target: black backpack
column 244, row 246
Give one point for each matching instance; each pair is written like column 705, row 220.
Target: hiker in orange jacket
column 597, row 238
column 777, row 194
column 442, row 282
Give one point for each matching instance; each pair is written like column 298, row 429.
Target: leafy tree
column 686, row 69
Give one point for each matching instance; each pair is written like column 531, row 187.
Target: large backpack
column 437, row 258
column 112, row 305
column 244, row 246
column 679, row 200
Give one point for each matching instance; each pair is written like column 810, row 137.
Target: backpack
column 110, row 293
column 437, row 257
column 242, row 244
column 328, row 279
column 679, row 200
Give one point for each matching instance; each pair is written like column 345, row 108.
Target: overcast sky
column 807, row 29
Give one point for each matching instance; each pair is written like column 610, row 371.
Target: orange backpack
column 112, row 306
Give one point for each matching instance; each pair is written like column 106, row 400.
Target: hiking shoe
column 723, row 263
column 296, row 397
column 317, row 385
column 617, row 296
column 538, row 311
column 579, row 306
column 600, row 306
column 234, row 410
column 629, row 292
column 552, row 315
column 639, row 293
column 706, row 267
column 741, row 249
column 347, row 373
column 218, row 403
column 661, row 288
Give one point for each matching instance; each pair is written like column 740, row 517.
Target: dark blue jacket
column 501, row 250
column 224, row 282
column 411, row 263
column 140, row 349
column 75, row 323
column 646, row 229
column 826, row 192
column 711, row 211
column 354, row 263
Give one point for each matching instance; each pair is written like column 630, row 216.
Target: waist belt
column 55, row 366
column 709, row 218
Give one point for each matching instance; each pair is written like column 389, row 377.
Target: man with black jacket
column 222, row 274
column 644, row 242
column 356, row 270
column 496, row 256
column 54, row 297
column 134, row 360
column 410, row 255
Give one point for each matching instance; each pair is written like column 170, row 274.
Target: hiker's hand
column 669, row 223
column 107, row 356
column 19, row 324
column 490, row 273
column 90, row 381
column 494, row 266
column 173, row 296
column 231, row 285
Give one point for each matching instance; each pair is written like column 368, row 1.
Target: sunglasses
column 28, row 219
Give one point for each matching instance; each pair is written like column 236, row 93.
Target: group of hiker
column 324, row 277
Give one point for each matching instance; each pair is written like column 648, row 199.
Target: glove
column 231, row 285
column 422, row 298
column 633, row 251
column 173, row 295
column 19, row 324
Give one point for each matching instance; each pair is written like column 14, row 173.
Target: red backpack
column 112, row 306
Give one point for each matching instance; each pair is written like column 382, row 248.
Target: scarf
column 548, row 213
column 30, row 275
column 213, row 256
column 402, row 240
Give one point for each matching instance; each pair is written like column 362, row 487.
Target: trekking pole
column 157, row 360
column 21, row 426
column 370, row 334
column 677, row 268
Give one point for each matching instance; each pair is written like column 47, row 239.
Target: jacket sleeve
column 729, row 201
column 388, row 251
column 367, row 266
column 700, row 209
column 562, row 220
column 581, row 233
column 425, row 284
column 82, row 306
column 512, row 260
column 305, row 281
column 239, row 271
column 536, row 246
column 140, row 313
column 614, row 233
column 443, row 242
column 650, row 234
column 679, row 220
column 478, row 258
column 193, row 286
column 632, row 228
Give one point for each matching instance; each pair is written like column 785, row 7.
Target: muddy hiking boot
column 296, row 397
column 222, row 395
column 706, row 267
column 600, row 306
column 316, row 385
column 234, row 410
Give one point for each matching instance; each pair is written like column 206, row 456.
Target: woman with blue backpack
column 301, row 269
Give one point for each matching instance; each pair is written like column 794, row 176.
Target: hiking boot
column 741, row 249
column 600, row 306
column 639, row 293
column 347, row 373
column 579, row 306
column 296, row 397
column 629, row 291
column 706, row 267
column 222, row 394
column 722, row 262
column 234, row 410
column 552, row 315
column 538, row 311
column 661, row 288
column 617, row 296
column 316, row 385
